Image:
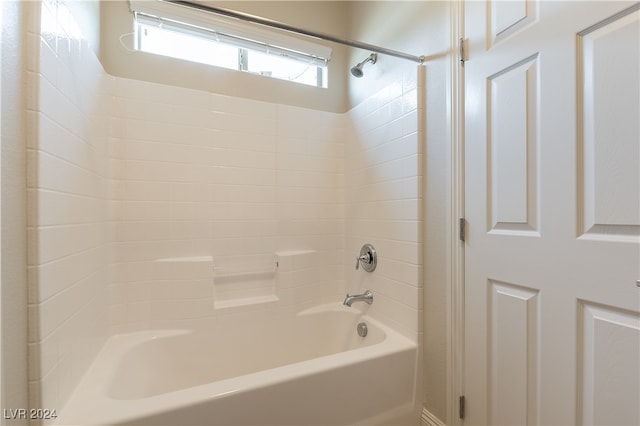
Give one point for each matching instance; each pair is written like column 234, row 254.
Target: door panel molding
column 514, row 316
column 512, row 149
column 609, row 339
column 608, row 177
column 507, row 18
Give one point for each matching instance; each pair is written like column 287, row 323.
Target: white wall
column 383, row 202
column 13, row 204
column 198, row 175
column 66, row 189
column 420, row 28
column 439, row 229
column 1, row 356
column 228, row 180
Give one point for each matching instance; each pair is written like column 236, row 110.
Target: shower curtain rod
column 275, row 24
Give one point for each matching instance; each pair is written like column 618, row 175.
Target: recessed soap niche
column 241, row 284
column 234, row 288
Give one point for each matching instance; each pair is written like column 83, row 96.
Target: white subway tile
column 48, row 389
column 60, row 241
column 142, row 210
column 240, row 106
column 184, row 268
column 43, row 357
column 242, row 176
column 128, row 190
column 256, row 126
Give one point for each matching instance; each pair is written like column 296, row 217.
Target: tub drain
column 362, row 329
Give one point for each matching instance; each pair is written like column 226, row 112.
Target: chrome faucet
column 366, row 297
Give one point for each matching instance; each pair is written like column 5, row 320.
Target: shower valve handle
column 363, row 258
column 368, row 258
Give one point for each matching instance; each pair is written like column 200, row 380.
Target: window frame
column 246, row 37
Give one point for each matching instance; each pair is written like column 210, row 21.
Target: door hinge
column 462, row 224
column 462, row 46
column 461, row 407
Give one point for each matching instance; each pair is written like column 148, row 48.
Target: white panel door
column 552, row 203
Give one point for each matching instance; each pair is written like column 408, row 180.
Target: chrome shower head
column 356, row 71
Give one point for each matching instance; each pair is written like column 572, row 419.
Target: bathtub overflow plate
column 362, row 329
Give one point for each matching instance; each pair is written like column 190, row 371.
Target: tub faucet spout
column 366, row 297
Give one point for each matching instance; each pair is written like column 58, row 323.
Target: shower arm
column 279, row 25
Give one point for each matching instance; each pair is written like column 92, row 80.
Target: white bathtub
column 311, row 368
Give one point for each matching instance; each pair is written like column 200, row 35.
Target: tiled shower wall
column 197, row 174
column 225, row 182
column 67, row 116
column 383, row 184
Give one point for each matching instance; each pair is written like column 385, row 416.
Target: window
column 180, row 32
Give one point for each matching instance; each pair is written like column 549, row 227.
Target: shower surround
column 236, row 181
column 158, row 206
